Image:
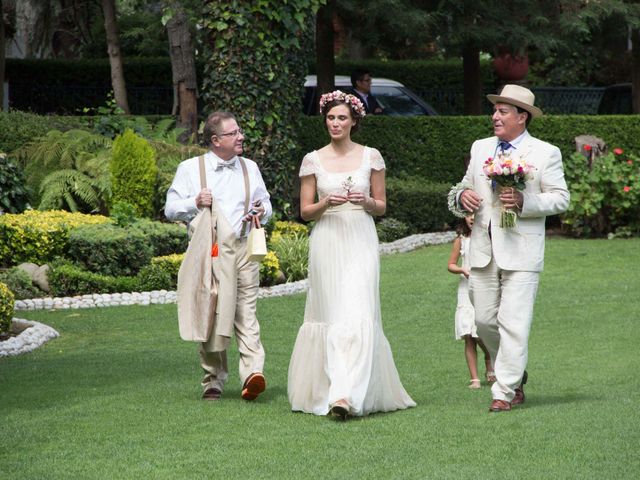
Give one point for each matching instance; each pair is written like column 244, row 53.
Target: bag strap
column 247, row 193
column 203, row 176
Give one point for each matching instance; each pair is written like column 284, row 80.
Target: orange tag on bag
column 214, row 250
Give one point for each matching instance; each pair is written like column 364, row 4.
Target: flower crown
column 351, row 100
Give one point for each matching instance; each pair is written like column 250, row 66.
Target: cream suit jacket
column 520, row 248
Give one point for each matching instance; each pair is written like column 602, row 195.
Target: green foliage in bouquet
column 605, row 194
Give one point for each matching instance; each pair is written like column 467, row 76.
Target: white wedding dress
column 341, row 352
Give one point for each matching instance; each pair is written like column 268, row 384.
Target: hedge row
column 146, row 72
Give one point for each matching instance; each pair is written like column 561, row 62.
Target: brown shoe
column 254, row 385
column 500, row 406
column 518, row 399
column 211, row 394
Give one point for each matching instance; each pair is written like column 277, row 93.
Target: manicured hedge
column 436, row 147
column 419, row 203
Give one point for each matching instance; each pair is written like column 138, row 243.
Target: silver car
column 392, row 96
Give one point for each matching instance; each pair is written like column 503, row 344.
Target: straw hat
column 518, row 96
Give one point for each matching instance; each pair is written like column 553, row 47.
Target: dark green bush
column 14, row 197
column 419, row 203
column 110, row 250
column 390, row 229
column 164, row 238
column 154, row 277
column 19, row 283
column 66, row 280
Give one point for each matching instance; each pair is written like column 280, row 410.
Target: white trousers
column 503, row 301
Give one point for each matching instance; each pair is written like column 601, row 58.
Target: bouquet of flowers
column 348, row 184
column 505, row 172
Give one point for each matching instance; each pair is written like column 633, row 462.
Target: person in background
column 361, row 83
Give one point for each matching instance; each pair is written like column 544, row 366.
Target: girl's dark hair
column 463, row 229
column 352, row 112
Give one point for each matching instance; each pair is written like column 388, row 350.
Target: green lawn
column 117, row 395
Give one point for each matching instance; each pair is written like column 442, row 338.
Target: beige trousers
column 503, row 301
column 246, row 328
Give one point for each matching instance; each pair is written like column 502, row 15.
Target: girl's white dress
column 465, row 314
column 341, row 351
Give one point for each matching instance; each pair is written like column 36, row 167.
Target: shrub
column 109, row 249
column 133, row 172
column 19, row 283
column 164, row 238
column 170, row 264
column 419, row 203
column 284, row 228
column 154, row 277
column 39, row 237
column 605, row 194
column 269, row 269
column 66, row 279
column 293, row 254
column 390, row 229
column 14, row 197
column 7, row 302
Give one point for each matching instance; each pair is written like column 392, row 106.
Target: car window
column 396, row 102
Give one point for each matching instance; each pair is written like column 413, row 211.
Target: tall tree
column 325, row 58
column 255, row 64
column 115, row 59
column 183, row 66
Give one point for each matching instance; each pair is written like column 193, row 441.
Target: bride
column 341, row 361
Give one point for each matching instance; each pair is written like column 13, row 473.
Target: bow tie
column 504, row 146
column 231, row 164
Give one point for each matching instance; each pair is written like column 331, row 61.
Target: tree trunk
column 472, row 80
column 183, row 69
column 115, row 60
column 325, row 61
column 635, row 70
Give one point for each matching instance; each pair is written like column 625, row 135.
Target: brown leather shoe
column 254, row 385
column 518, row 399
column 500, row 406
column 211, row 394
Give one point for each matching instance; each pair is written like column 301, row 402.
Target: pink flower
column 587, row 147
column 630, row 162
column 618, row 151
column 626, row 188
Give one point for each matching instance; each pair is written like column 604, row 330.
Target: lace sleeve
column 308, row 166
column 376, row 160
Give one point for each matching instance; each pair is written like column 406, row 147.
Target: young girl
column 465, row 314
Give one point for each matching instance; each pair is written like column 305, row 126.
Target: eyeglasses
column 234, row 134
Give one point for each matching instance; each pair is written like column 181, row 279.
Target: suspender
column 245, row 174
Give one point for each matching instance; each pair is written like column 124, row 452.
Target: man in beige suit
column 227, row 175
column 506, row 262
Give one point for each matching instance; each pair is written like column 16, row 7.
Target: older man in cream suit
column 506, row 262
column 241, row 198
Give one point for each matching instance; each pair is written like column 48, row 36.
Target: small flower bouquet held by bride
column 505, row 172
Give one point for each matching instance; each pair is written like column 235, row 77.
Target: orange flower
column 626, row 188
column 618, row 151
column 214, row 250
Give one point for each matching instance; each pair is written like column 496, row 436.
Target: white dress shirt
column 226, row 185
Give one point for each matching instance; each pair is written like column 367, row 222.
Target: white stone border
column 33, row 335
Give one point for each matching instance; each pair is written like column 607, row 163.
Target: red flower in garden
column 630, row 162
column 618, row 151
column 626, row 188
column 587, row 147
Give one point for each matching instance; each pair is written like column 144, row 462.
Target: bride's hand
column 357, row 198
column 335, row 199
